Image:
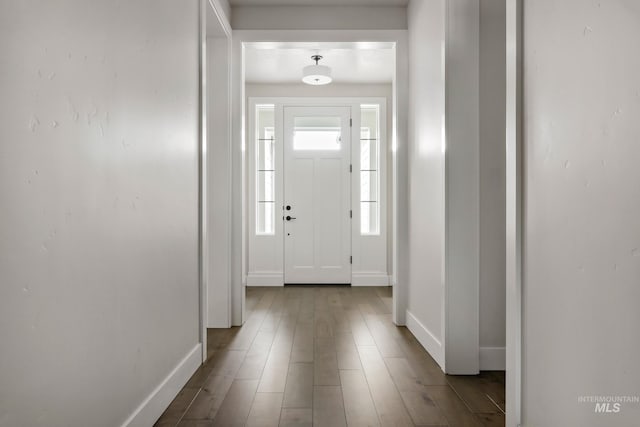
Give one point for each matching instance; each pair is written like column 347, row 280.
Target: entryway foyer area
column 328, row 356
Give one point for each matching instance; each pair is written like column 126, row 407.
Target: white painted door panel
column 317, row 218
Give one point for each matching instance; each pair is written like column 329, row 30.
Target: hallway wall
column 99, row 220
column 581, row 229
column 457, row 185
column 425, row 311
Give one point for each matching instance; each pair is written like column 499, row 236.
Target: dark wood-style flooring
column 328, row 356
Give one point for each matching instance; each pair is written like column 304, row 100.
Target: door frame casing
column 211, row 10
column 395, row 39
column 276, row 277
column 514, row 210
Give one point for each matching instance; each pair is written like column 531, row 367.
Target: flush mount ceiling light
column 316, row 74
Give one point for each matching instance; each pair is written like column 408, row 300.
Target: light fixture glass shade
column 316, row 75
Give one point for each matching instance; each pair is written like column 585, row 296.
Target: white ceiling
column 318, row 2
column 347, row 65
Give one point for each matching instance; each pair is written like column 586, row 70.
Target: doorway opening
column 341, row 195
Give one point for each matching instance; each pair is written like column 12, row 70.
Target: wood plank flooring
column 328, row 356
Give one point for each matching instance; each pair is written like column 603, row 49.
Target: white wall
column 462, row 187
column 426, row 208
column 492, row 184
column 99, row 219
column 581, row 202
column 333, row 90
column 318, row 18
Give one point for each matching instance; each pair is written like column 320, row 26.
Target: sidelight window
column 265, row 169
column 369, row 169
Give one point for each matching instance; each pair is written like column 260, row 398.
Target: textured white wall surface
column 99, row 194
column 581, row 284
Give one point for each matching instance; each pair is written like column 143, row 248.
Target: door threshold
column 317, row 284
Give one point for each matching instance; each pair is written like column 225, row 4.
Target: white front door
column 317, row 192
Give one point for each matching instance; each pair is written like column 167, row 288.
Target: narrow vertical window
column 369, row 169
column 265, row 169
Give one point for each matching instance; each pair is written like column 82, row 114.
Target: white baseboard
column 154, row 405
column 426, row 338
column 369, row 279
column 265, row 279
column 492, row 359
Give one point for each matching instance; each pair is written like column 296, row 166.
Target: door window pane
column 317, row 133
column 369, row 169
column 265, row 169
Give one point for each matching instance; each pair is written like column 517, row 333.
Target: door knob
column 289, row 218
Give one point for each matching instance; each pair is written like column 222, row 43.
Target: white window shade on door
column 317, row 133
